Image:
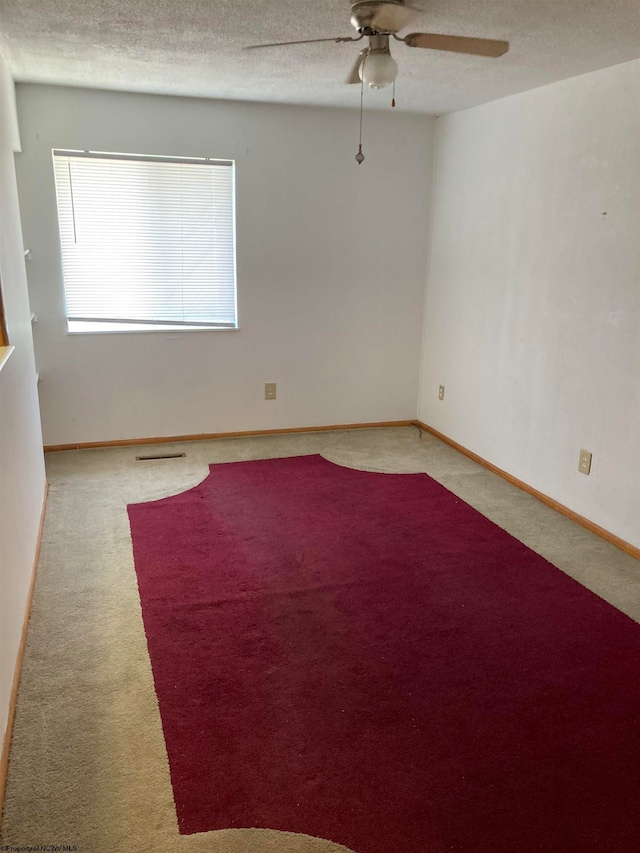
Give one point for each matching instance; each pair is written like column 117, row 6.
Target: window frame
column 4, row 335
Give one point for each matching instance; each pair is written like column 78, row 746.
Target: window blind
column 146, row 242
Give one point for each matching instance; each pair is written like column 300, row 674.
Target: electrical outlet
column 584, row 465
column 269, row 390
column 441, row 392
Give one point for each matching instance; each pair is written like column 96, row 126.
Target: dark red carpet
column 365, row 658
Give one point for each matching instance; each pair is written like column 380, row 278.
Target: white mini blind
column 146, row 242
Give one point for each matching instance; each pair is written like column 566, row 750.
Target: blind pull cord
column 73, row 207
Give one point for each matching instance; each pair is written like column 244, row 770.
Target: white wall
column 331, row 261
column 22, row 477
column 532, row 317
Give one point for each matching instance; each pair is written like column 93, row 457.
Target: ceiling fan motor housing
column 379, row 16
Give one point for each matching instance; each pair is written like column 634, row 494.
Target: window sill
column 167, row 331
column 5, row 352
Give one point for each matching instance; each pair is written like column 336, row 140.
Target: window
column 147, row 243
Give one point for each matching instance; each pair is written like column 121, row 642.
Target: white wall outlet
column 269, row 390
column 584, row 465
column 441, row 392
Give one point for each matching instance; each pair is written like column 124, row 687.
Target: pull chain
column 360, row 155
column 393, row 96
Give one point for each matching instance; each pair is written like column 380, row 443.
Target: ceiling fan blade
column 354, row 77
column 458, row 44
column 306, row 41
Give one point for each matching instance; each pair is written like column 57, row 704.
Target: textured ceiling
column 194, row 47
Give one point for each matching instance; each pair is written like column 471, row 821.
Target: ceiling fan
column 377, row 20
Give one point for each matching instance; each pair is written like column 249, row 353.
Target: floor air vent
column 160, row 456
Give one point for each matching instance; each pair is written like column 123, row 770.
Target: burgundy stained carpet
column 365, row 658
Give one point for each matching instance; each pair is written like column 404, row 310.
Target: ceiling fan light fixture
column 378, row 69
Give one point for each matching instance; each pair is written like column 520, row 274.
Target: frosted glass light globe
column 378, row 70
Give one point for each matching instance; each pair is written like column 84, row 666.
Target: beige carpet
column 88, row 765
